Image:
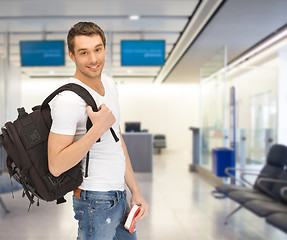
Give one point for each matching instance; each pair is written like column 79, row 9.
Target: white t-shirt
column 107, row 160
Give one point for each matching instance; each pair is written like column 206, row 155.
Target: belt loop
column 117, row 196
column 85, row 195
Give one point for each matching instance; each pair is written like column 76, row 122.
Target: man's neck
column 93, row 83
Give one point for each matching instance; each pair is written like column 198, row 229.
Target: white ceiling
column 238, row 24
column 38, row 20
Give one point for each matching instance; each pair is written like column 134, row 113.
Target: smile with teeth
column 94, row 67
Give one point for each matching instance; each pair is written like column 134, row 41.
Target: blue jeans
column 101, row 215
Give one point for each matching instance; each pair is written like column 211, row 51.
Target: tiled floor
column 181, row 208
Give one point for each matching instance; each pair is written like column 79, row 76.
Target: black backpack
column 25, row 141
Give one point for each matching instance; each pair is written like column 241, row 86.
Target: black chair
column 278, row 220
column 274, row 164
column 159, row 142
column 276, row 160
column 279, row 203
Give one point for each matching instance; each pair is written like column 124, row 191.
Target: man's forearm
column 130, row 179
column 64, row 154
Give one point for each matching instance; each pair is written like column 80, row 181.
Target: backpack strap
column 84, row 94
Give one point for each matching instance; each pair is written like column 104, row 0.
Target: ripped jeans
column 101, row 216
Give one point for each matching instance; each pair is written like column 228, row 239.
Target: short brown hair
column 84, row 28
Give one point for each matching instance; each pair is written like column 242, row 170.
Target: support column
column 282, row 96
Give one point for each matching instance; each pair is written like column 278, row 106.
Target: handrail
column 260, row 180
column 241, row 180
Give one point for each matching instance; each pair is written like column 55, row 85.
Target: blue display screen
column 142, row 52
column 42, row 53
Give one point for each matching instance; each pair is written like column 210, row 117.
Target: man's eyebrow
column 81, row 49
column 99, row 45
column 85, row 49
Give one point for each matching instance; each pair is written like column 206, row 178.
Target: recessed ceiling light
column 134, row 17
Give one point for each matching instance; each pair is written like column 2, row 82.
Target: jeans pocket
column 103, row 205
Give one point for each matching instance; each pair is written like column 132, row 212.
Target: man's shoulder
column 69, row 95
column 69, row 98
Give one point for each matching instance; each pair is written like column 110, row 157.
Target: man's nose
column 93, row 58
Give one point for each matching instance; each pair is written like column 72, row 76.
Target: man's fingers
column 139, row 216
column 102, row 106
column 142, row 214
column 90, row 109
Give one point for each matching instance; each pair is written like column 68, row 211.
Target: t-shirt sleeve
column 67, row 110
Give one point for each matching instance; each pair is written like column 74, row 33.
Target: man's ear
column 71, row 55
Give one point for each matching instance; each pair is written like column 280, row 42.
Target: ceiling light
column 134, row 17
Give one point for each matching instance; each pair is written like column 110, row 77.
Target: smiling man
column 100, row 203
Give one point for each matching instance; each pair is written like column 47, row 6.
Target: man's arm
column 132, row 184
column 63, row 153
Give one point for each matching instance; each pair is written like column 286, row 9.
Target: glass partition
column 256, row 115
column 212, row 116
column 256, row 110
column 212, row 104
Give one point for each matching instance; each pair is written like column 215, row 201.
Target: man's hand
column 101, row 120
column 139, row 200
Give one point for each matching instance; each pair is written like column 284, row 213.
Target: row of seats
column 159, row 143
column 268, row 196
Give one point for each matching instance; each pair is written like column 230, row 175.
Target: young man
column 100, row 203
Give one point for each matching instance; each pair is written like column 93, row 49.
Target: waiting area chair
column 278, row 220
column 159, row 142
column 279, row 198
column 262, row 192
column 275, row 162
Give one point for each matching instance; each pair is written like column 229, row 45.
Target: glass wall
column 256, row 112
column 212, row 104
column 212, row 116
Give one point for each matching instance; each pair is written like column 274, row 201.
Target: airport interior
column 202, row 105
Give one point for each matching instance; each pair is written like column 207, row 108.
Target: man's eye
column 83, row 53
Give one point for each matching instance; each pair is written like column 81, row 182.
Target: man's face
column 89, row 56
